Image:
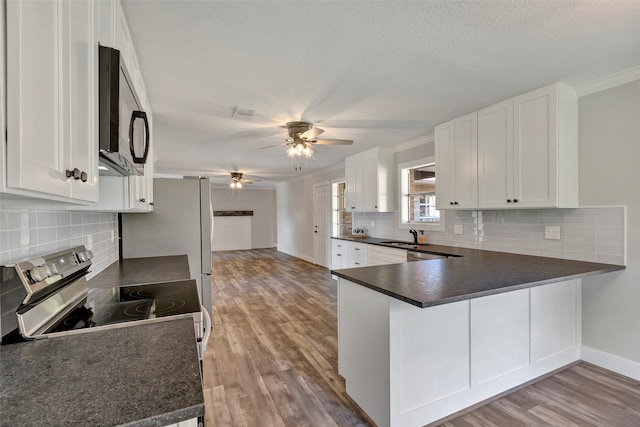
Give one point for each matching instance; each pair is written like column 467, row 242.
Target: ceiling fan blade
column 333, row 141
column 311, row 133
column 271, row 146
column 249, row 181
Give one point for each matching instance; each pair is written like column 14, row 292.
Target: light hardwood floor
column 273, row 359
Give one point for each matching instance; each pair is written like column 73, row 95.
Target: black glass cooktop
column 111, row 306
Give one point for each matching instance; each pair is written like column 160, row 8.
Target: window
column 341, row 219
column 418, row 195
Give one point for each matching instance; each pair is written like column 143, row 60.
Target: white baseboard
column 614, row 363
column 297, row 255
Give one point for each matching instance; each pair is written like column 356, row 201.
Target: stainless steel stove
column 48, row 296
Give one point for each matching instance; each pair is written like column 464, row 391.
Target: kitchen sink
column 404, row 244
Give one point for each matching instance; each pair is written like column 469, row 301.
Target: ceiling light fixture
column 300, row 148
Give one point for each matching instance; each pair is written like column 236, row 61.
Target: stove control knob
column 38, row 274
column 53, row 268
column 85, row 256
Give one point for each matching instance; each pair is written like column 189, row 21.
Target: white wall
column 610, row 175
column 295, row 212
column 263, row 204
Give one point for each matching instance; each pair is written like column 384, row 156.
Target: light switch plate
column 552, row 232
column 457, row 229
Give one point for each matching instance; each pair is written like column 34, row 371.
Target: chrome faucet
column 415, row 236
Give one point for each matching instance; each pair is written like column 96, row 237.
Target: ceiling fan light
column 300, row 147
column 308, row 151
column 238, row 185
column 291, row 151
column 232, row 185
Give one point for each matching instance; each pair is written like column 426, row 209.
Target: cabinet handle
column 357, row 249
column 357, row 263
column 353, row 207
column 150, row 203
column 338, row 254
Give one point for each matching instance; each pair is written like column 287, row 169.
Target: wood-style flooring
column 272, row 359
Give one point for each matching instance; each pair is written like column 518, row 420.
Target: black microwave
column 122, row 124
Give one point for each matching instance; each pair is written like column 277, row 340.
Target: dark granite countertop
column 472, row 274
column 138, row 271
column 145, row 375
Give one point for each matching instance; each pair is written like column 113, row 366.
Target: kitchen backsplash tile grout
column 28, row 232
column 586, row 234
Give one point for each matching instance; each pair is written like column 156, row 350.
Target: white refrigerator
column 181, row 223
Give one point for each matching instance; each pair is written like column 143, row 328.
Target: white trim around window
column 403, row 205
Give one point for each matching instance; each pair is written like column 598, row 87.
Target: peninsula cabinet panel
column 407, row 366
column 555, row 319
column 499, row 335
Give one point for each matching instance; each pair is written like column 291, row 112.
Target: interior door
column 321, row 206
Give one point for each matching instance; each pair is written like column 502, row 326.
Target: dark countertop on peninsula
column 138, row 271
column 473, row 273
column 145, row 375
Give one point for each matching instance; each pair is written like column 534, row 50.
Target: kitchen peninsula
column 422, row 340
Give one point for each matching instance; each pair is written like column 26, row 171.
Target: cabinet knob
column 75, row 173
column 84, row 176
column 515, row 200
column 357, row 249
column 150, row 203
column 315, row 231
column 455, row 203
column 338, row 254
column 353, row 207
column 143, row 200
column 508, row 200
column 376, row 206
column 450, row 203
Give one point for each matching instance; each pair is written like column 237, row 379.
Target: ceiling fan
column 237, row 181
column 302, row 137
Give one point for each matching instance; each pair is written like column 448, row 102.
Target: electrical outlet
column 457, row 229
column 552, row 232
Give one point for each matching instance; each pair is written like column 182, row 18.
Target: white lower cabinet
column 347, row 254
column 379, row 255
column 338, row 254
column 408, row 366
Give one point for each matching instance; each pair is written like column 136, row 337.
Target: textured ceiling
column 380, row 73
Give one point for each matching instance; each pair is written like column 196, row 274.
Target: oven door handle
column 207, row 328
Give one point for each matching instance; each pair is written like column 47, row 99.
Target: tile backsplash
column 586, row 234
column 29, row 232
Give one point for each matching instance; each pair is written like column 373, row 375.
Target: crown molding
column 413, row 143
column 609, row 81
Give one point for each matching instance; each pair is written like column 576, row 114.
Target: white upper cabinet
column 527, row 153
column 51, row 100
column 456, row 160
column 546, row 147
column 495, row 156
column 370, row 181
